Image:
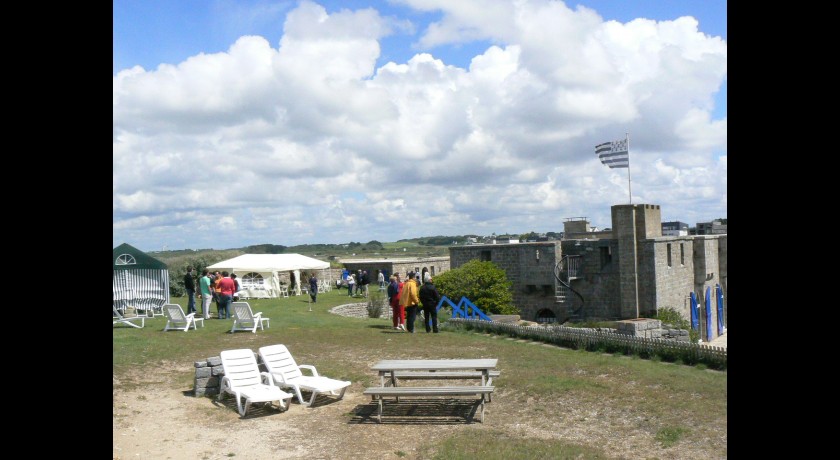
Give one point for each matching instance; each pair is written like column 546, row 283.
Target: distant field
column 322, row 252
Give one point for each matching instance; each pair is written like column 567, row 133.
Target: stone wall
column 529, row 266
column 707, row 275
column 433, row 265
column 650, row 329
column 672, row 282
column 722, row 262
column 597, row 278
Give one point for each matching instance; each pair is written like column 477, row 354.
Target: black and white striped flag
column 614, row 154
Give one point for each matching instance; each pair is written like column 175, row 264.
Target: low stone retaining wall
column 358, row 310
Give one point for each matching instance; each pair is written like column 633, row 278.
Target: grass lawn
column 679, row 408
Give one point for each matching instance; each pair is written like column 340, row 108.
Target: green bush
column 484, row 283
column 376, row 304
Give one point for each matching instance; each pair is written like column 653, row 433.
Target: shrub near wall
column 607, row 342
column 484, row 283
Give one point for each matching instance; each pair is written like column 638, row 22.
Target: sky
column 244, row 122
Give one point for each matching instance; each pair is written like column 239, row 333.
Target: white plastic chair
column 176, row 319
column 244, row 319
column 120, row 319
column 243, row 379
column 287, row 374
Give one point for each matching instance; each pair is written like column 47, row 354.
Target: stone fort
column 600, row 277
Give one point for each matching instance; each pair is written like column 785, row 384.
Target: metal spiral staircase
column 566, row 270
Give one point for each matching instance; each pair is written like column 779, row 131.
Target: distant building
column 578, row 228
column 715, row 227
column 419, row 265
column 675, row 228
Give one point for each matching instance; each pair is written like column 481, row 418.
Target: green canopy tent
column 140, row 280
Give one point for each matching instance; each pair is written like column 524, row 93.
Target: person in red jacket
column 226, row 290
column 398, row 312
column 410, row 299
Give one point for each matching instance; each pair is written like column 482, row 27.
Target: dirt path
column 162, row 420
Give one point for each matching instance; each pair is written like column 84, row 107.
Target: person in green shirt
column 206, row 293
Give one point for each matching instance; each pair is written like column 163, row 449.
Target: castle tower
column 648, row 225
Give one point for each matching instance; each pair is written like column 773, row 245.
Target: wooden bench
column 377, row 393
column 444, row 375
column 419, row 375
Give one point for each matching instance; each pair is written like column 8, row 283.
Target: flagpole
column 633, row 208
column 629, row 189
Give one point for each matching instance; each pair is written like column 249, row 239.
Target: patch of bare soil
column 158, row 419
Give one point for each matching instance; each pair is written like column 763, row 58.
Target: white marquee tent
column 259, row 274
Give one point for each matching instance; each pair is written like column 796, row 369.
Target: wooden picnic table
column 388, row 367
column 447, row 369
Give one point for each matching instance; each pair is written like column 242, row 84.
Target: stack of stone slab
column 675, row 334
column 651, row 329
column 640, row 327
column 208, row 375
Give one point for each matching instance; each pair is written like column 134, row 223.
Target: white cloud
column 307, row 141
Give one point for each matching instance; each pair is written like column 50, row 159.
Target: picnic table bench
column 483, row 369
column 411, row 375
column 433, row 374
column 378, row 393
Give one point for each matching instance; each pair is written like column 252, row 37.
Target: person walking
column 226, row 290
column 409, row 299
column 205, row 284
column 189, row 285
column 380, row 278
column 429, row 297
column 313, row 287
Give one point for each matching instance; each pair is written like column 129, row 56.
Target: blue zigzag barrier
column 469, row 310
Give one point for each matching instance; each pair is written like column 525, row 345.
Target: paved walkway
column 720, row 341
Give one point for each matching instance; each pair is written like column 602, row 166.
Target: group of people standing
column 359, row 282
column 218, row 287
column 406, row 297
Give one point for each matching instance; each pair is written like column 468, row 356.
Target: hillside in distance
column 433, row 246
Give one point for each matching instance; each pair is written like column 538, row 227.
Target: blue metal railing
column 464, row 309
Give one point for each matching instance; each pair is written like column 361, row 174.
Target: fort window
column 606, row 255
column 682, row 254
column 531, row 288
column 668, row 248
column 485, row 256
column 548, row 290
